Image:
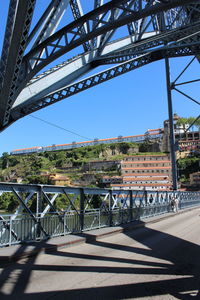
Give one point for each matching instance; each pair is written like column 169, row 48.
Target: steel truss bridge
column 37, row 218
column 84, row 35
column 56, row 55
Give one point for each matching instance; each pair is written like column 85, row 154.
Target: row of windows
column 146, row 165
column 147, row 171
column 143, row 179
column 143, row 182
column 138, row 158
column 188, row 135
column 142, row 188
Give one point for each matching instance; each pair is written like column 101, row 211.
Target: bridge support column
column 131, row 205
column 39, row 202
column 171, row 125
column 82, row 207
column 39, row 211
column 110, row 208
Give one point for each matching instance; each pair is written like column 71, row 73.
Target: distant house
column 57, row 179
column 107, row 180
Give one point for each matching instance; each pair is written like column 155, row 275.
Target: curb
column 17, row 252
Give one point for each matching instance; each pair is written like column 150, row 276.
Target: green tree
column 36, row 179
column 190, row 121
column 5, row 160
column 188, row 165
column 8, row 202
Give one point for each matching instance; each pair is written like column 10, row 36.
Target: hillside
column 75, row 164
column 78, row 167
column 34, row 168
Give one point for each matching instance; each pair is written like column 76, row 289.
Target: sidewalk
column 14, row 253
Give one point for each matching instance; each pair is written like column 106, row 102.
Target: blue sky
column 127, row 105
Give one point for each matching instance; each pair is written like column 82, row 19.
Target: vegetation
column 186, row 166
column 190, row 121
column 71, row 163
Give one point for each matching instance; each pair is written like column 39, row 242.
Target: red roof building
column 149, row 172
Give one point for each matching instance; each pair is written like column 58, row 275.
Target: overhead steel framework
column 78, row 36
column 85, row 35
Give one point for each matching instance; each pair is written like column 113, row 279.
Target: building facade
column 186, row 141
column 146, row 172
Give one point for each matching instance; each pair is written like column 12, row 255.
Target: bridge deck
column 158, row 261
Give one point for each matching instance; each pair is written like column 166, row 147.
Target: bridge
column 50, row 60
column 125, row 33
column 37, row 218
column 158, row 260
column 76, row 38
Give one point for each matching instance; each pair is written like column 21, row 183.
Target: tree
column 8, row 202
column 5, row 160
column 190, row 121
column 188, row 165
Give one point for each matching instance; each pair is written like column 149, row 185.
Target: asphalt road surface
column 159, row 261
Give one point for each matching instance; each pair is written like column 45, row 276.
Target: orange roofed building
column 149, row 172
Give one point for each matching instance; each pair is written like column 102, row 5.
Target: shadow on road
column 181, row 259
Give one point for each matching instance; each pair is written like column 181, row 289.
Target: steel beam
column 18, row 30
column 70, row 36
column 171, row 126
column 7, row 39
column 93, row 29
column 48, row 23
column 78, row 13
column 101, row 77
column 66, row 73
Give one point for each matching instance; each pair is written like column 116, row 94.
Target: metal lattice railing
column 85, row 209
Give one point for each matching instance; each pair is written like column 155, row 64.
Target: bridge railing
column 36, row 216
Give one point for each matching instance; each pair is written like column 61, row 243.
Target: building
column 190, row 144
column 186, row 141
column 108, row 180
column 195, row 179
column 149, row 172
column 102, row 165
column 57, row 179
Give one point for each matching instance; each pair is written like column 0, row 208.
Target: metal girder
column 95, row 40
column 70, row 36
column 101, row 77
column 115, row 207
column 49, row 21
column 37, row 222
column 16, row 37
column 104, row 39
column 78, row 13
column 66, row 73
column 7, row 39
column 187, row 35
column 93, row 29
column 50, row 205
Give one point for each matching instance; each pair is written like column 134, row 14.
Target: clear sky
column 127, row 105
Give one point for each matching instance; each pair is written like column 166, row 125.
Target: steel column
column 131, row 204
column 82, row 208
column 110, row 208
column 171, row 126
